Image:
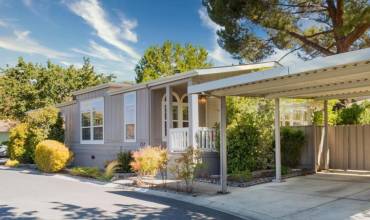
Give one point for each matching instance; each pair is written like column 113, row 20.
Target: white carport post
column 277, row 141
column 326, row 140
column 223, row 149
column 193, row 107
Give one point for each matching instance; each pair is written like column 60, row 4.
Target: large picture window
column 129, row 115
column 92, row 121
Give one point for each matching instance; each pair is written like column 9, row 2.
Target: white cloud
column 217, row 53
column 98, row 51
column 92, row 12
column 67, row 63
column 127, row 30
column 20, row 41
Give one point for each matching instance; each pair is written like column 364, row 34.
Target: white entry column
column 277, row 141
column 193, row 107
column 326, row 140
column 168, row 115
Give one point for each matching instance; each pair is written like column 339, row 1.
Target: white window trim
column 179, row 103
column 135, row 118
column 91, row 141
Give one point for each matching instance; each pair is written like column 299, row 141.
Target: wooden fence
column 349, row 147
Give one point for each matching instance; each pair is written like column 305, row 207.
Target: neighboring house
column 5, row 126
column 295, row 113
column 102, row 121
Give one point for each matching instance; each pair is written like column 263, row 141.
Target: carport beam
column 277, row 141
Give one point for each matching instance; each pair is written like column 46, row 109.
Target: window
column 129, row 116
column 92, row 121
column 180, row 113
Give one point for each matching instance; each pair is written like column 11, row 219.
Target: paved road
column 31, row 195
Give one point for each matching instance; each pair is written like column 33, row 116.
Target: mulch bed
column 259, row 177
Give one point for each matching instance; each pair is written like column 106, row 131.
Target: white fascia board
column 330, row 61
column 238, row 80
column 244, row 67
column 98, row 87
column 299, row 67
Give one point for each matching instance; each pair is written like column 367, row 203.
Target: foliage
column 90, row 172
column 110, row 170
column 350, row 115
column 313, row 28
column 17, row 142
column 168, row 59
column 38, row 125
column 12, row 163
column 186, row 167
column 28, row 86
column 124, row 159
column 51, row 156
column 292, row 141
column 56, row 131
column 249, row 133
column 240, row 176
column 149, row 160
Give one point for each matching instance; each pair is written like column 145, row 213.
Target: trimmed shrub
column 17, row 142
column 292, row 141
column 12, row 163
column 51, row 156
column 124, row 159
column 38, row 125
column 90, row 172
column 148, row 160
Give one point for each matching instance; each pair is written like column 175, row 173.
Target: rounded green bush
column 51, row 156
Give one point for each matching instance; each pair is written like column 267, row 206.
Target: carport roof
column 340, row 76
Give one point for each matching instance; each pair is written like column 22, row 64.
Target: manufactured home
column 104, row 120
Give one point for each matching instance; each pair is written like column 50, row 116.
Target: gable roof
column 203, row 72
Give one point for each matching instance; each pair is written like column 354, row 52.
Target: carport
column 341, row 76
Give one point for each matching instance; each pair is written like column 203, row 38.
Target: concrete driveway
column 31, row 195
column 319, row 196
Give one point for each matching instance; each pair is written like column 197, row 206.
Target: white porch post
column 326, row 140
column 193, row 107
column 277, row 141
column 223, row 149
column 168, row 114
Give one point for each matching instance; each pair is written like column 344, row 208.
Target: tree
column 254, row 29
column 168, row 59
column 28, row 86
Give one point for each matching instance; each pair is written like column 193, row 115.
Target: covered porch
column 179, row 120
column 342, row 76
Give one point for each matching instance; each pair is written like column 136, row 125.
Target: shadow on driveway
column 9, row 212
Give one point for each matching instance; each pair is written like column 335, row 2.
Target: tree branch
column 355, row 34
column 311, row 44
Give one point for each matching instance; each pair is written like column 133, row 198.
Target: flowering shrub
column 12, row 163
column 149, row 160
column 51, row 156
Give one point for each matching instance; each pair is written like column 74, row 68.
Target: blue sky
column 113, row 33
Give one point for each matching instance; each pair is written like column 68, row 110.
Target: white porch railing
column 179, row 139
column 206, row 139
